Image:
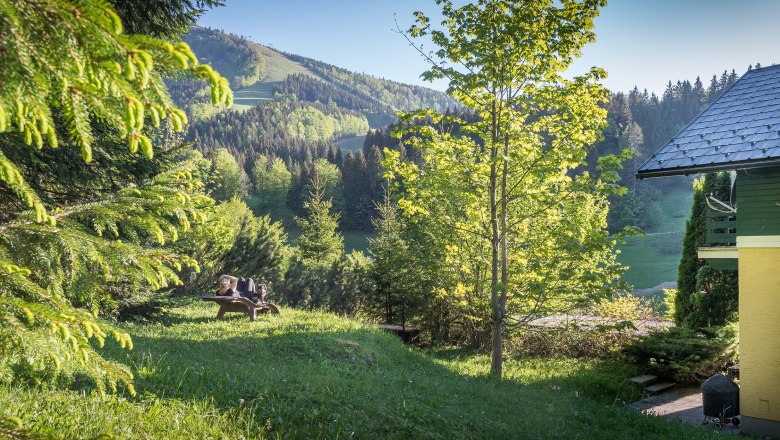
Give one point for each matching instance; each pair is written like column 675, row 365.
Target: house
column 740, row 132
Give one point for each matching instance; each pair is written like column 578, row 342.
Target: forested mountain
column 315, row 104
column 258, row 74
column 385, row 95
column 238, row 59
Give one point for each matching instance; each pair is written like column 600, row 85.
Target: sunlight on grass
column 314, row 375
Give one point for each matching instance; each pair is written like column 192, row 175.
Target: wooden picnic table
column 241, row 305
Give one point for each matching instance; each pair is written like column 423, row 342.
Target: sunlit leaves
column 72, row 58
column 508, row 181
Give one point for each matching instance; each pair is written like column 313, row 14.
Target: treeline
column 306, row 88
column 236, row 58
column 396, row 95
column 298, row 134
column 642, row 122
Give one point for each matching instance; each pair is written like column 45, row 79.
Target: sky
column 639, row 42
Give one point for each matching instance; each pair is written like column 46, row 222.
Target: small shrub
column 600, row 331
column 626, row 307
column 670, row 298
column 686, row 355
column 572, row 341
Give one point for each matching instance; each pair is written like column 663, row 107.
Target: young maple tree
column 510, row 183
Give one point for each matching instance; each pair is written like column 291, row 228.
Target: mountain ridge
column 260, row 74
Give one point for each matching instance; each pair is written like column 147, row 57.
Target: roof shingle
column 741, row 129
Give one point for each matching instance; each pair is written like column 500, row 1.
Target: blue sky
column 639, row 42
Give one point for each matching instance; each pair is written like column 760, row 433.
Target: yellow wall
column 759, row 332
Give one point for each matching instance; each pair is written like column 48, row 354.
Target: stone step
column 659, row 387
column 644, row 379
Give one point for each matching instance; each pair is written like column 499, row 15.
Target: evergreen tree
column 319, row 244
column 258, row 250
column 390, row 270
column 74, row 80
column 705, row 296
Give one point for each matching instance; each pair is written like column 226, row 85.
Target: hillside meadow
column 304, row 375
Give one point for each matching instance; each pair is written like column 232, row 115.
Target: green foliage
column 319, row 243
column 635, row 209
column 506, row 181
column 705, row 297
column 115, row 79
column 569, row 342
column 162, row 18
column 93, row 231
column 232, row 240
column 341, row 287
column 311, row 124
column 626, row 307
column 670, row 303
column 686, row 355
column 258, row 251
column 100, row 256
column 716, row 300
column 228, row 179
column 391, row 269
column 272, row 182
column 610, row 324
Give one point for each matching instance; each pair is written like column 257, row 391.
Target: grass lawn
column 304, row 375
column 652, row 259
column 353, row 144
column 278, row 68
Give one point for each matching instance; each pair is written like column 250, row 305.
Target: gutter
column 731, row 166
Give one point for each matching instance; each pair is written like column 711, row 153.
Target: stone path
column 683, row 404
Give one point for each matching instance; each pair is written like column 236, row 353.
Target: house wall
column 758, row 247
column 759, row 335
column 758, row 193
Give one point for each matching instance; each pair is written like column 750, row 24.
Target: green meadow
column 306, row 375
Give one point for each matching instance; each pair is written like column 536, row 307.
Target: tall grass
column 314, row 375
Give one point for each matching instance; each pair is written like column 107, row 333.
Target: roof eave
column 708, row 168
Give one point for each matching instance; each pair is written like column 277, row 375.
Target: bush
column 670, row 299
column 600, row 332
column 626, row 307
column 571, row 341
column 686, row 355
column 340, row 287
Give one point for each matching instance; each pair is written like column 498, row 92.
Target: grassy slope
column 312, row 375
column 278, row 67
column 354, row 143
column 653, row 258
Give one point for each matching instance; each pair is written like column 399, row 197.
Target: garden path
column 681, row 403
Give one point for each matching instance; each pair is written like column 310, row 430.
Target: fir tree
column 72, row 79
column 705, row 297
column 319, row 244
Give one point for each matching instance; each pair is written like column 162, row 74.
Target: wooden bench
column 241, row 305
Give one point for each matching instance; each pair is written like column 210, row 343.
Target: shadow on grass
column 298, row 381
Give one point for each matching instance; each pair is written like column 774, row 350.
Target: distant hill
column 260, row 74
column 239, row 60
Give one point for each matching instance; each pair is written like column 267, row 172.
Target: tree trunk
column 496, row 362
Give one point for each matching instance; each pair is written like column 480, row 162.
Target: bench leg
column 221, row 313
column 252, row 314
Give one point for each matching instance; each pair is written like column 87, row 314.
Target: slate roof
column 741, row 129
